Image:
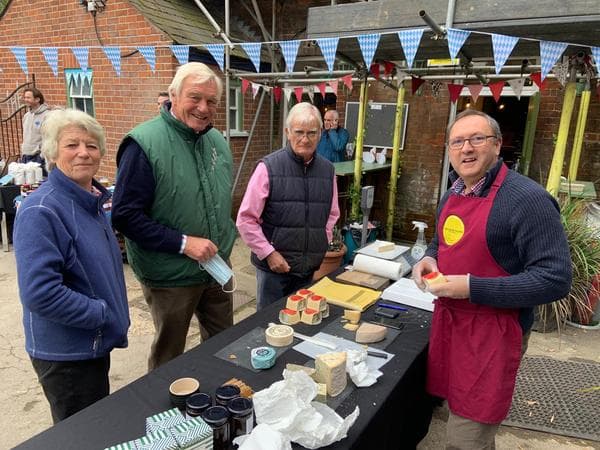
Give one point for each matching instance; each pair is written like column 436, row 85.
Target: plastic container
column 242, row 416
column 217, row 417
column 196, row 404
column 418, row 249
column 225, row 393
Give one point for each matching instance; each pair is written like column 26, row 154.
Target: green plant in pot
column 584, row 246
column 334, row 255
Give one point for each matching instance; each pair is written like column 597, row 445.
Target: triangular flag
column 347, row 79
column 536, row 77
column 550, row 51
column 245, row 84
column 561, row 72
column 21, row 55
column 388, row 67
column 277, row 91
column 255, row 89
column 216, row 51
column 503, row 46
column 288, row 93
column 375, row 69
column 368, row 45
column 51, row 56
column 416, row 83
column 322, row 89
column 181, row 52
column 290, row 51
column 149, row 54
column 410, row 40
column 266, row 88
column 454, row 90
column 496, row 89
column 596, row 55
column 81, row 55
column 474, row 90
column 310, row 90
column 114, row 56
column 456, row 39
column 333, row 84
column 252, row 49
column 517, row 86
column 298, row 91
column 328, row 48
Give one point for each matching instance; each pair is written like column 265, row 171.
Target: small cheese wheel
column 369, row 332
column 262, row 357
column 311, row 316
column 433, row 278
column 316, row 302
column 296, row 302
column 289, row 316
column 279, row 335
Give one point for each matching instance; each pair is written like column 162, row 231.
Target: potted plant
column 334, row 255
column 578, row 306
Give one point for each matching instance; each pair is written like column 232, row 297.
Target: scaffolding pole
column 532, row 114
column 360, row 132
column 584, row 106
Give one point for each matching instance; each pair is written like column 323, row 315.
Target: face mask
column 219, row 270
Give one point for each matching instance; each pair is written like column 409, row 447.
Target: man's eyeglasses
column 311, row 135
column 477, row 140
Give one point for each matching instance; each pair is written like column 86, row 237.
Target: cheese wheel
column 262, row 357
column 433, row 278
column 289, row 316
column 311, row 316
column 369, row 332
column 279, row 335
column 296, row 302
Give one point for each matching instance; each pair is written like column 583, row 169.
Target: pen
column 387, row 305
column 377, row 354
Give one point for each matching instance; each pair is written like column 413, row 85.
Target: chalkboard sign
column 379, row 126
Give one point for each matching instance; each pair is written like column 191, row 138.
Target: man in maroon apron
column 500, row 243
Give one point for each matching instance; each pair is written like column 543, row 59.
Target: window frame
column 79, row 76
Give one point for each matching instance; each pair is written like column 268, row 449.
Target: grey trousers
column 172, row 310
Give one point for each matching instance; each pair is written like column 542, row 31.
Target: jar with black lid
column 242, row 416
column 225, row 393
column 196, row 404
column 217, row 417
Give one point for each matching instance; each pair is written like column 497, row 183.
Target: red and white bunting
column 474, row 90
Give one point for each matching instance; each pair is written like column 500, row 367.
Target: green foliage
column 337, row 243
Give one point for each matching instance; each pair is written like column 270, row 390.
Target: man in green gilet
column 173, row 204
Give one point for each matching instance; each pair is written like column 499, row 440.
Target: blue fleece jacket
column 70, row 273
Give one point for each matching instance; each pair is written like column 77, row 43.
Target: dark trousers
column 71, row 386
column 172, row 309
column 271, row 286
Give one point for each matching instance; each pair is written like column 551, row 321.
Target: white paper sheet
column 405, row 291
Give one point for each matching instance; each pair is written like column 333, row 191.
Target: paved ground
column 25, row 411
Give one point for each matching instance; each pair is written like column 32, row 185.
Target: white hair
column 199, row 70
column 304, row 113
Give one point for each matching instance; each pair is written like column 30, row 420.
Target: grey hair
column 304, row 113
column 336, row 115
column 199, row 70
column 57, row 120
column 473, row 112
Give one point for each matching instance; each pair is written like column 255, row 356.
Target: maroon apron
column 474, row 350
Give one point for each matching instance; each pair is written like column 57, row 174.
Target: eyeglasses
column 477, row 140
column 299, row 134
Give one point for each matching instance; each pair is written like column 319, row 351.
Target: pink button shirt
column 250, row 212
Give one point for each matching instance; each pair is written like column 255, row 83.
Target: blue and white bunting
column 368, row 45
column 550, row 51
column 114, row 56
column 290, row 51
column 596, row 55
column 502, row 46
column 410, row 40
column 252, row 49
column 216, row 51
column 328, row 48
column 21, row 55
column 51, row 56
column 149, row 54
column 456, row 39
column 81, row 55
column 181, row 52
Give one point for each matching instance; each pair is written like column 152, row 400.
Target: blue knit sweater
column 526, row 238
column 70, row 273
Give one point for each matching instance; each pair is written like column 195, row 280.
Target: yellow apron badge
column 453, row 229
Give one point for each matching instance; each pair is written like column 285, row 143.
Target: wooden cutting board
column 363, row 279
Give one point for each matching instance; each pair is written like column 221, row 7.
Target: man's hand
column 277, row 263
column 199, row 248
column 457, row 286
column 423, row 267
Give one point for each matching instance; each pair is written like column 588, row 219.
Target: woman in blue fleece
column 69, row 268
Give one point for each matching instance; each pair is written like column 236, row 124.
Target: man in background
column 334, row 138
column 32, row 121
column 162, row 97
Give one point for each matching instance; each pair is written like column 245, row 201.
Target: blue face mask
column 219, row 270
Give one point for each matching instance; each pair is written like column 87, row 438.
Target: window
column 236, row 109
column 80, row 92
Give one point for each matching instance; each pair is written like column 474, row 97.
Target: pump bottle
column 418, row 250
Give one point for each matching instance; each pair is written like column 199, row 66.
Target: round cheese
column 279, row 335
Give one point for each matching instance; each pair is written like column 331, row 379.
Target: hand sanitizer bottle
column 418, row 250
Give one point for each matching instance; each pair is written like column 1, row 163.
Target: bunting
column 255, row 89
column 298, row 92
column 333, row 84
column 322, row 89
column 216, row 51
column 81, row 55
column 474, row 90
column 496, row 89
column 252, row 49
column 310, row 90
column 51, row 57
column 277, row 91
column 503, row 47
column 536, row 77
column 347, row 79
column 517, row 86
column 561, row 72
column 149, row 54
column 550, row 51
column 454, row 90
column 245, row 84
column 456, row 39
column 288, row 93
column 114, row 56
column 181, row 52
column 21, row 55
column 328, row 48
column 410, row 40
column 388, row 68
column 596, row 55
column 416, row 83
column 290, row 51
column 368, row 45
column 375, row 69
column 435, row 88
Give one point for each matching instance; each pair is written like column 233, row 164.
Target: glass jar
column 242, row 416
column 196, row 404
column 217, row 417
column 225, row 393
